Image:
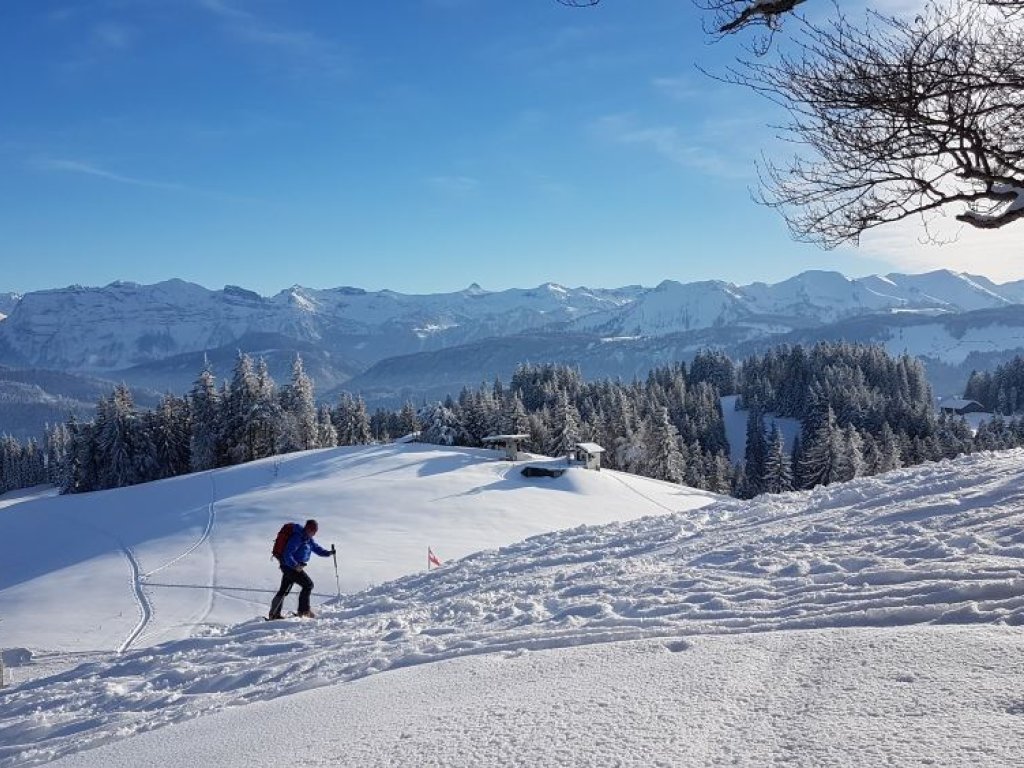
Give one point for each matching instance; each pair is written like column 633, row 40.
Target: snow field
column 941, row 544
column 133, row 566
column 859, row 697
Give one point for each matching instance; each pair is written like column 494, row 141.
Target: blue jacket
column 299, row 548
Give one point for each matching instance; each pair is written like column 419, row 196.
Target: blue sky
column 418, row 145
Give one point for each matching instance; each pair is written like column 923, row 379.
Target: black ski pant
column 290, row 577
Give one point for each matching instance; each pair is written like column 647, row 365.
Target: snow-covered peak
column 674, row 307
column 954, row 291
column 125, row 324
column 817, row 294
column 474, row 289
column 8, row 301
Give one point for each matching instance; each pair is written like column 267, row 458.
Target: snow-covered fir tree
column 664, row 458
column 351, row 421
column 206, row 439
column 116, row 439
column 326, row 434
column 441, row 426
column 298, row 409
column 778, row 473
column 861, row 410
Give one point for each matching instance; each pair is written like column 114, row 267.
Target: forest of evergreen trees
column 861, row 412
column 1000, row 391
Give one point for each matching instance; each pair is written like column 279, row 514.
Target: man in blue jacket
column 293, row 564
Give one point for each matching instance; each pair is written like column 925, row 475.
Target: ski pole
column 337, row 579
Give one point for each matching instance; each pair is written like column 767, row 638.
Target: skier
column 294, row 557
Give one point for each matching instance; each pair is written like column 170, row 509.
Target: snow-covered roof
column 591, row 448
column 956, row 403
column 504, row 438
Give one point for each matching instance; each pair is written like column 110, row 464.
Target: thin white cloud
column 89, row 169
column 458, row 185
column 679, row 88
column 113, row 36
column 698, row 151
column 61, row 15
column 85, row 168
column 910, row 246
column 304, row 49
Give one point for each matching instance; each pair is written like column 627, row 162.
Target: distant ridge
column 387, row 344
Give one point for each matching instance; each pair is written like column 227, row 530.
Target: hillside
column 875, row 622
column 156, row 561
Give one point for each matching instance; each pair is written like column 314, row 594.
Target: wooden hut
column 589, row 455
column 511, row 444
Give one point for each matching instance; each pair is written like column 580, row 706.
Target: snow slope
column 940, row 342
column 133, row 566
column 652, row 641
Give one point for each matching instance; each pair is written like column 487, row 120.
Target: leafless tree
column 890, row 117
column 730, row 16
column 895, row 118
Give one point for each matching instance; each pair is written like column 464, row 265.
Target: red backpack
column 282, row 541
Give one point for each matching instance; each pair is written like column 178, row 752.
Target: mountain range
column 390, row 346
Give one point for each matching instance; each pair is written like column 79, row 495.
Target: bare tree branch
column 733, row 15
column 891, row 117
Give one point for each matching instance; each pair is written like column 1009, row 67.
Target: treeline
column 1000, row 391
column 861, row 412
column 22, row 466
column 668, row 426
column 244, row 419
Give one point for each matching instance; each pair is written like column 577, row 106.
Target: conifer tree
column 821, row 462
column 243, row 397
column 408, row 423
column 206, row 435
column 172, row 436
column 299, row 427
column 850, row 456
column 664, row 460
column 778, row 474
column 756, row 453
column 566, row 427
column 114, row 432
column 326, row 434
column 441, row 427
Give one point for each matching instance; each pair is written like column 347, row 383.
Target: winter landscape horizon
column 854, row 603
column 660, row 401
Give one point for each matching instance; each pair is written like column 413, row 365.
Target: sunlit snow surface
column 657, row 640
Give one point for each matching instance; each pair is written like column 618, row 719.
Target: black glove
column 332, row 549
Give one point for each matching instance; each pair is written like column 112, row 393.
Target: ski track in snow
column 141, row 598
column 939, row 544
column 141, row 578
column 203, row 538
column 642, row 495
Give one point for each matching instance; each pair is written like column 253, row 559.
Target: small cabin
column 589, row 455
column 960, row 406
column 511, row 444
